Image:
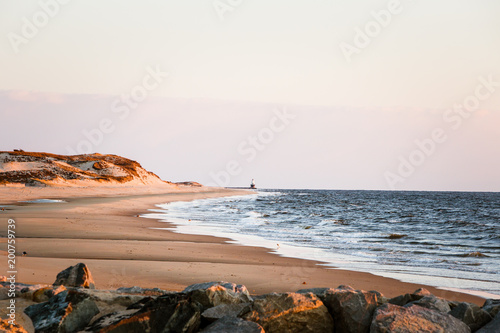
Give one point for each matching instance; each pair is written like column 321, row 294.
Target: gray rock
column 390, row 318
column 142, row 291
column 68, row 311
column 115, row 321
column 223, row 310
column 492, row 306
column 472, row 315
column 290, row 312
column 211, row 294
column 402, row 300
column 75, row 276
column 112, row 297
column 168, row 313
column 233, row 325
column 432, row 302
column 492, row 327
column 320, row 292
column 351, row 309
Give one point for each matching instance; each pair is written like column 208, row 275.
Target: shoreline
column 122, row 249
column 290, row 250
column 303, row 253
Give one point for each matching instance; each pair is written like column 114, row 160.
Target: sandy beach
column 102, row 228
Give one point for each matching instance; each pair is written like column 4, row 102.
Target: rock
column 211, row 294
column 115, row 321
column 492, row 327
column 68, row 311
column 472, row 315
column 6, row 327
column 112, row 297
column 351, row 309
column 75, row 276
column 186, row 316
column 381, row 299
column 290, row 312
column 453, row 304
column 142, row 291
column 223, row 310
column 393, row 318
column 168, row 313
column 422, row 292
column 320, row 292
column 432, row 302
column 346, row 287
column 492, row 306
column 417, row 295
column 402, row 300
column 232, row 325
column 44, row 294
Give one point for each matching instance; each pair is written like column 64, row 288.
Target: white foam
column 44, row 201
column 473, row 292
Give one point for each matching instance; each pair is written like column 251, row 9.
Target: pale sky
column 364, row 85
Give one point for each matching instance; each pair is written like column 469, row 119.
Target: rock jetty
column 72, row 305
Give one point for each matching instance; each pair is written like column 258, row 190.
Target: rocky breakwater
column 72, row 304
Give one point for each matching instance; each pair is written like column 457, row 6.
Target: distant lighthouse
column 252, row 184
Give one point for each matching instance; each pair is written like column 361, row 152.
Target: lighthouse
column 252, row 184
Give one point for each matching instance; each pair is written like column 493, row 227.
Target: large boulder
column 75, row 276
column 211, row 294
column 289, row 312
column 492, row 327
column 393, row 318
column 351, row 309
column 472, row 315
column 432, row 302
column 168, row 313
column 68, row 311
column 223, row 310
column 232, row 325
column 492, row 306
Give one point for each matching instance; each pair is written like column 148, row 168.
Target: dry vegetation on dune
column 38, row 169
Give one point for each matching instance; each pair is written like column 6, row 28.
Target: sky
column 322, row 94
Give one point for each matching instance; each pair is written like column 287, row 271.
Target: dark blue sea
column 449, row 240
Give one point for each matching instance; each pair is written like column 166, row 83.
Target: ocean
column 449, row 240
